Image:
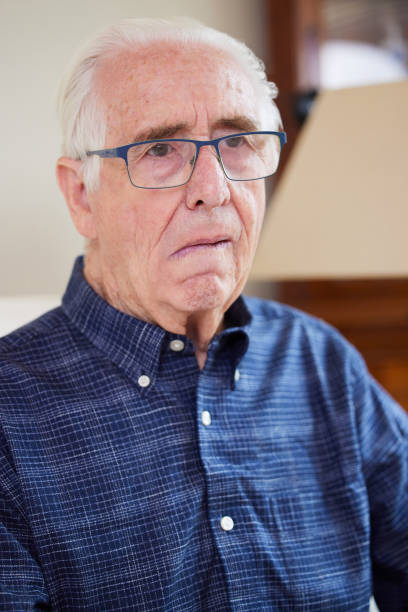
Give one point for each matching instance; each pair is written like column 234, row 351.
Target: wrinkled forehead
column 170, row 84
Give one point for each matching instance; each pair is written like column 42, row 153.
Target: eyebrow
column 239, row 123
column 161, row 131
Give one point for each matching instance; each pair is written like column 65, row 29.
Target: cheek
column 115, row 226
column 251, row 210
column 132, row 223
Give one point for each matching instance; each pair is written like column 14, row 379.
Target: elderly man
column 167, row 444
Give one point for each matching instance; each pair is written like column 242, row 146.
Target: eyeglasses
column 170, row 162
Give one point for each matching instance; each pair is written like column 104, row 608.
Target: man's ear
column 70, row 180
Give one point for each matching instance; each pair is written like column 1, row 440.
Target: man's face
column 165, row 254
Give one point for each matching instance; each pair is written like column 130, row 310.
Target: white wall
column 37, row 240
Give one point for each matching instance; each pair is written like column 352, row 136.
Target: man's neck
column 200, row 326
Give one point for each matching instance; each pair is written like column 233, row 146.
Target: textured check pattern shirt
column 275, row 479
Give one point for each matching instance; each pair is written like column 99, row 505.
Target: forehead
column 171, row 85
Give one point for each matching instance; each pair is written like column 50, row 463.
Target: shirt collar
column 134, row 345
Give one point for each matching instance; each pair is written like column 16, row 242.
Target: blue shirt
column 275, row 479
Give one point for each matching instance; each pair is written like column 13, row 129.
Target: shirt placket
column 218, row 389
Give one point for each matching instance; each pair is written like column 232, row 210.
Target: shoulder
column 39, row 363
column 310, row 358
column 37, row 348
column 301, row 339
column 40, row 327
column 36, row 339
column 268, row 315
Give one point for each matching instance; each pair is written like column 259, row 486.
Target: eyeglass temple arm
column 118, row 152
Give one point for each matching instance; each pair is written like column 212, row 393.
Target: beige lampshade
column 341, row 207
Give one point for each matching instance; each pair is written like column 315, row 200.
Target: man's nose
column 208, row 184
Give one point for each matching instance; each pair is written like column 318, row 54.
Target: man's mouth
column 202, row 245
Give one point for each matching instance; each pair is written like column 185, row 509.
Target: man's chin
column 206, row 292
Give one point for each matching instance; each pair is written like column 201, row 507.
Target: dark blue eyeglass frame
column 122, row 152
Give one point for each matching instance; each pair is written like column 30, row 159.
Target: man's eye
column 235, row 142
column 160, row 149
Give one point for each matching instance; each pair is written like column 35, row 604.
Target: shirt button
column 206, row 418
column 227, row 523
column 237, row 375
column 143, row 380
column 177, row 345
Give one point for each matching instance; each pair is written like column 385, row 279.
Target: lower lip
column 202, row 248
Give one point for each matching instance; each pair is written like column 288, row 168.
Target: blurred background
column 334, row 239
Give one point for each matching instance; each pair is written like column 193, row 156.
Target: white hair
column 80, row 113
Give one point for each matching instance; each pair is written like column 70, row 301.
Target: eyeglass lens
column 169, row 163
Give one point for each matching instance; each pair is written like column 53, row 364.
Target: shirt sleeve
column 383, row 431
column 22, row 585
